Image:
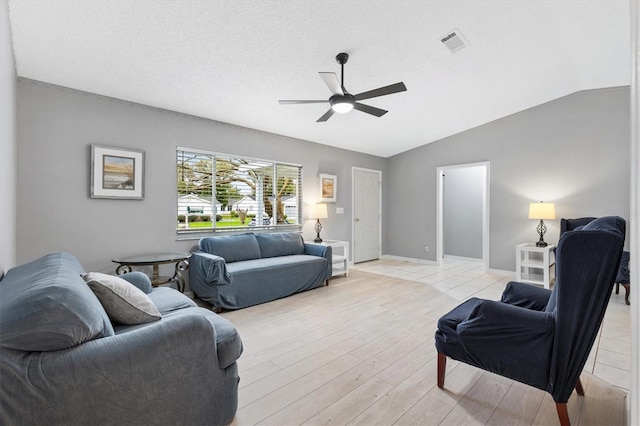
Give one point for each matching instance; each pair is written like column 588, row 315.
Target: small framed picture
column 328, row 188
column 117, row 173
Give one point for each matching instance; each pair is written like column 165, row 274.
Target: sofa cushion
column 233, row 248
column 168, row 299
column 46, row 306
column 280, row 244
column 124, row 302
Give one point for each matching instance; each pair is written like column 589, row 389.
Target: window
column 220, row 192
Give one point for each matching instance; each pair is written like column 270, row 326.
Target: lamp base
column 318, row 228
column 542, row 229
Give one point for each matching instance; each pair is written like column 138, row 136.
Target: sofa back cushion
column 233, row 248
column 45, row 305
column 280, row 244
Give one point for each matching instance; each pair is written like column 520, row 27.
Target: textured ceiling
column 232, row 60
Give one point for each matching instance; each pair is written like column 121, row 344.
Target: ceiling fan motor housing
column 342, row 103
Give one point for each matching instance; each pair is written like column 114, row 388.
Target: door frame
column 354, row 169
column 440, row 210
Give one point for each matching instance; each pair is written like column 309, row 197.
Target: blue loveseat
column 65, row 362
column 241, row 270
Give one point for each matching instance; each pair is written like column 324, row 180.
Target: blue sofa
column 65, row 362
column 241, row 270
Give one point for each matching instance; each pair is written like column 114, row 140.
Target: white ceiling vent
column 453, row 40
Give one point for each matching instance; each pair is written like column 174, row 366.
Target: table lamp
column 542, row 211
column 318, row 211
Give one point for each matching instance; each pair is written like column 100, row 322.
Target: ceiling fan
column 342, row 101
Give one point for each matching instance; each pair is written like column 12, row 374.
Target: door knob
column 357, row 220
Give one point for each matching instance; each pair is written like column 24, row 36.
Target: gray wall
column 8, row 143
column 462, row 211
column 573, row 151
column 56, row 127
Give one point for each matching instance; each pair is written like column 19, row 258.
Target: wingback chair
column 622, row 277
column 536, row 336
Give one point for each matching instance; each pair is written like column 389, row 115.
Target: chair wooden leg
column 563, row 414
column 627, row 289
column 579, row 388
column 617, row 288
column 442, row 367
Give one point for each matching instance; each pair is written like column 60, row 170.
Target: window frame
column 214, row 157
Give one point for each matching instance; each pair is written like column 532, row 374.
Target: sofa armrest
column 526, row 296
column 149, row 375
column 321, row 251
column 209, row 268
column 318, row 250
column 138, row 279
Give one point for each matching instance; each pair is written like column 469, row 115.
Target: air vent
column 454, row 41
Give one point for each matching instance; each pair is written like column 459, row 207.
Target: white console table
column 340, row 259
column 535, row 265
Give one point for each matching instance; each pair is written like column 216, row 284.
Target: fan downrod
column 342, row 58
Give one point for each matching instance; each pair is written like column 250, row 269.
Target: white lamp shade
column 318, row 211
column 542, row 210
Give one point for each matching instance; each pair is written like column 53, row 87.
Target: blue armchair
column 623, row 275
column 536, row 336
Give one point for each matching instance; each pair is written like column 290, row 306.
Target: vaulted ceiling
column 233, row 60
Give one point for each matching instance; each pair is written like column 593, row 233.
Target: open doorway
column 463, row 212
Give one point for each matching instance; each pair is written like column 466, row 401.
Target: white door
column 366, row 214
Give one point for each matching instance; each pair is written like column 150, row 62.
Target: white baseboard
column 468, row 259
column 409, row 259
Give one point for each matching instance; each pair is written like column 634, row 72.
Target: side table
column 155, row 260
column 535, row 265
column 340, row 257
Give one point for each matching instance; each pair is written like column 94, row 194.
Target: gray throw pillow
column 124, row 302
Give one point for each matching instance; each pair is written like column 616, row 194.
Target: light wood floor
column 361, row 351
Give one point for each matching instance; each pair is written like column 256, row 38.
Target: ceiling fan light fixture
column 342, row 103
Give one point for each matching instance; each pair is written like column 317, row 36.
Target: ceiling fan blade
column 332, row 82
column 290, row 102
column 381, row 91
column 326, row 116
column 370, row 110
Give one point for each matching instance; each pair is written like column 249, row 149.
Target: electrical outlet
column 339, row 210
column 426, row 248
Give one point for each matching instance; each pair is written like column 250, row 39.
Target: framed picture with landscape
column 328, row 186
column 117, row 173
